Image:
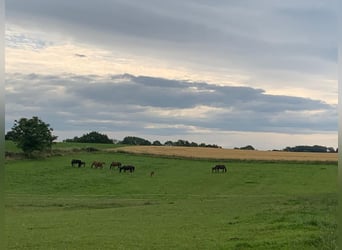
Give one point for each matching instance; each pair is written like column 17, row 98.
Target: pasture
column 254, row 205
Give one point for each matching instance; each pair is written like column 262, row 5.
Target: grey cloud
column 79, row 55
column 91, row 102
column 120, row 17
column 159, row 92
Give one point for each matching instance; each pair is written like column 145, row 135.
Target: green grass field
column 255, row 205
column 11, row 147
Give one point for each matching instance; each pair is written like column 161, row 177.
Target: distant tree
column 185, row 143
column 318, row 148
column 156, row 143
column 331, row 150
column 133, row 140
column 92, row 137
column 305, row 148
column 213, row 146
column 248, row 147
column 31, row 135
column 182, row 143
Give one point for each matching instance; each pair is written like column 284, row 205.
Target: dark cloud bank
column 151, row 105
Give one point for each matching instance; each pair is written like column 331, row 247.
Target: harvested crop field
column 219, row 153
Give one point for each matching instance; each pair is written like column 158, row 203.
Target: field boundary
column 140, row 196
column 229, row 154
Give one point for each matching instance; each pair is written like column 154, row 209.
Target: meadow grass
column 67, row 146
column 255, row 205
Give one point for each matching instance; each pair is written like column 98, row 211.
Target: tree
column 92, row 137
column 331, row 150
column 248, row 147
column 156, row 143
column 305, row 148
column 133, row 140
column 9, row 136
column 32, row 135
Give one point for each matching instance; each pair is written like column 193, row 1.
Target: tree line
column 33, row 134
column 96, row 137
column 315, row 148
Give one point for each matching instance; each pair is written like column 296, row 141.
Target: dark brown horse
column 115, row 164
column 217, row 168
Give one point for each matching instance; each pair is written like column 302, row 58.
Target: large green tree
column 92, row 137
column 133, row 140
column 32, row 135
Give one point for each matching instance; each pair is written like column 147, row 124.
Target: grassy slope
column 184, row 206
column 11, row 147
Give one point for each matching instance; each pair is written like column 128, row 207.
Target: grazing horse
column 77, row 162
column 97, row 164
column 218, row 167
column 125, row 168
column 152, row 173
column 115, row 164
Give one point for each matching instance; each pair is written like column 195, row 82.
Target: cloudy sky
column 230, row 73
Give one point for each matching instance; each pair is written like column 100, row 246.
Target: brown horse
column 152, row 173
column 115, row 164
column 97, row 164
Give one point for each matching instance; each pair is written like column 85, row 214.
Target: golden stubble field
column 219, row 153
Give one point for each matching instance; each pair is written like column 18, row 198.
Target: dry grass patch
column 219, row 153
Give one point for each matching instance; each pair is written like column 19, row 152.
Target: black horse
column 79, row 163
column 125, row 168
column 217, row 168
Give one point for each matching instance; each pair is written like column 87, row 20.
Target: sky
column 230, row 73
